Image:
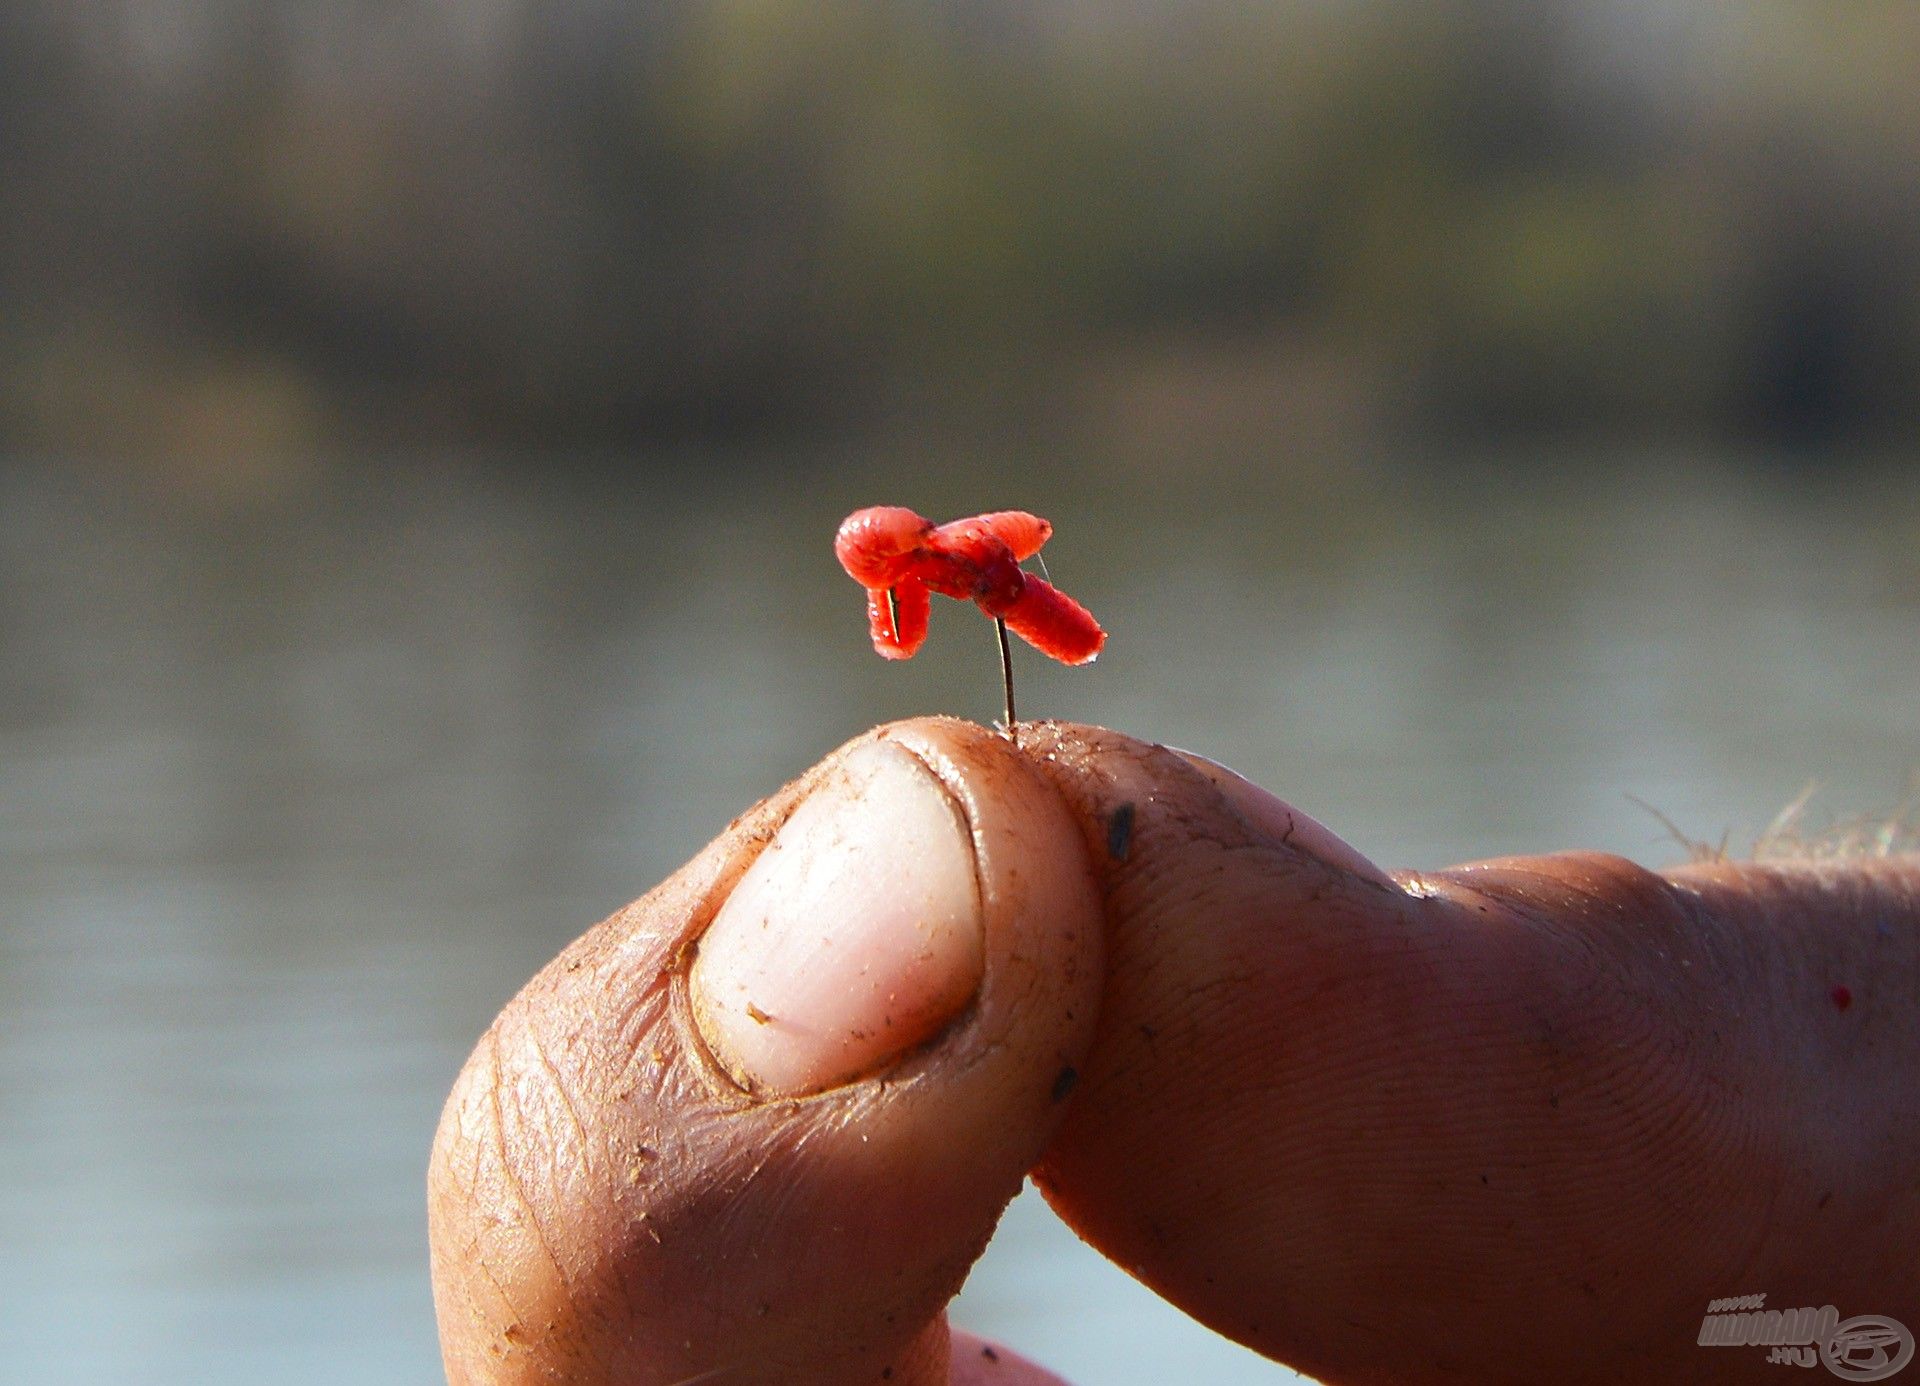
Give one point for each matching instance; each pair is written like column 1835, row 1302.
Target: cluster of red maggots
column 902, row 558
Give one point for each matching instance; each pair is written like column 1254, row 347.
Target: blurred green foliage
column 1172, row 228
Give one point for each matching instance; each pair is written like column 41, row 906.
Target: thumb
column 757, row 1125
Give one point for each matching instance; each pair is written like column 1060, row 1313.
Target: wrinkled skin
column 1513, row 1122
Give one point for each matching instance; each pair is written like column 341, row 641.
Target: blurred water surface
column 299, row 783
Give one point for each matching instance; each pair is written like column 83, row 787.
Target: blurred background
column 422, row 427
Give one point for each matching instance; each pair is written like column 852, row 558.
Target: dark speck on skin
column 989, row 1354
column 1064, row 1083
column 1120, row 832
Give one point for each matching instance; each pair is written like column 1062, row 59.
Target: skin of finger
column 1512, row 1123
column 944, row 1356
column 607, row 1206
column 1840, row 979
column 977, row 1362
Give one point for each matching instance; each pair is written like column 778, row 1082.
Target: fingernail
column 855, row 935
column 1284, row 824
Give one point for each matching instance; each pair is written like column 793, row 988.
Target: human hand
column 1514, row 1122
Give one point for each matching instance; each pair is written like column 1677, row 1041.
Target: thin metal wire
column 1006, row 673
column 893, row 613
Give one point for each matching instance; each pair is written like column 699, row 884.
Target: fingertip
column 877, row 1192
column 1039, row 898
column 1245, row 955
column 616, row 1196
